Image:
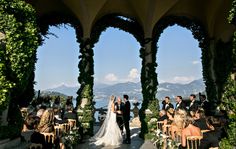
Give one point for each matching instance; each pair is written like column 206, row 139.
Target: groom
column 126, row 118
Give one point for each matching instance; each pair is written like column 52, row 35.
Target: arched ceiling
column 211, row 13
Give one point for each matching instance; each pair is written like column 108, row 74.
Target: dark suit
column 180, row 106
column 206, row 106
column 166, row 106
column 126, row 116
column 119, row 117
column 194, row 106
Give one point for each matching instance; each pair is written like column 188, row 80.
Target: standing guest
column 166, row 104
column 126, row 116
column 193, row 105
column 179, row 103
column 204, row 104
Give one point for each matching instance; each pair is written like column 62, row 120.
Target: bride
column 109, row 134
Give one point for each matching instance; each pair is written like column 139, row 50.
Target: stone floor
column 136, row 142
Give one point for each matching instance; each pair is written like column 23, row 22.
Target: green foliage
column 229, row 91
column 200, row 34
column 17, row 58
column 229, row 104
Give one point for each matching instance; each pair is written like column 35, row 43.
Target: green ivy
column 229, row 91
column 200, row 34
column 18, row 53
column 17, row 61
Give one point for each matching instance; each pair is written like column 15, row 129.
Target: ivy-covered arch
column 200, row 34
column 86, row 65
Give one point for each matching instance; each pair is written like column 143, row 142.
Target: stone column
column 85, row 93
column 150, row 105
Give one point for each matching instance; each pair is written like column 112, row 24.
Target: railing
column 100, row 113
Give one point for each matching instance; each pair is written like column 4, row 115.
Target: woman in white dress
column 109, row 134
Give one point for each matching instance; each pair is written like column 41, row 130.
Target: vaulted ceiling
column 211, row 13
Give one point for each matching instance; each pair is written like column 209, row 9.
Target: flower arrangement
column 164, row 141
column 71, row 138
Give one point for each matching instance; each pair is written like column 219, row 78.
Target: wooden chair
column 193, row 142
column 65, row 127
column 58, row 130
column 160, row 125
column 72, row 123
column 35, row 146
column 49, row 137
column 167, row 130
column 204, row 131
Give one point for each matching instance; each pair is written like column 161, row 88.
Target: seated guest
column 189, row 130
column 170, row 114
column 69, row 114
column 29, row 126
column 37, row 137
column 57, row 116
column 47, row 121
column 177, row 125
column 201, row 121
column 166, row 104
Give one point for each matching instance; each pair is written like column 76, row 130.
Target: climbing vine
column 200, row 34
column 17, row 59
column 229, row 90
column 18, row 53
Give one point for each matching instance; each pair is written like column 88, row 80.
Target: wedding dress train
column 109, row 134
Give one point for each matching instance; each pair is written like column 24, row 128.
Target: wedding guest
column 179, row 103
column 163, row 117
column 177, row 125
column 189, row 130
column 69, row 114
column 46, row 121
column 170, row 114
column 204, row 104
column 37, row 137
column 167, row 104
column 193, row 105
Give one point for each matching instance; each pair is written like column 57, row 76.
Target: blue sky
column 116, row 58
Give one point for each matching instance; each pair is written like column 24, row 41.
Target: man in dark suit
column 166, row 104
column 126, row 116
column 119, row 108
column 193, row 105
column 179, row 103
column 205, row 104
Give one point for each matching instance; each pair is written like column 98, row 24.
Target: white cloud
column 183, row 79
column 111, row 77
column 133, row 74
column 195, row 62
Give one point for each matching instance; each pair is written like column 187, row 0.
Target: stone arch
column 127, row 24
column 55, row 18
column 200, row 34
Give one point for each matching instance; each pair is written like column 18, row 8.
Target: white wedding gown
column 109, row 134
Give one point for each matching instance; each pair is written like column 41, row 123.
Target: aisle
column 136, row 142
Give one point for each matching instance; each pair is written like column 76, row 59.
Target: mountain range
column 104, row 91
